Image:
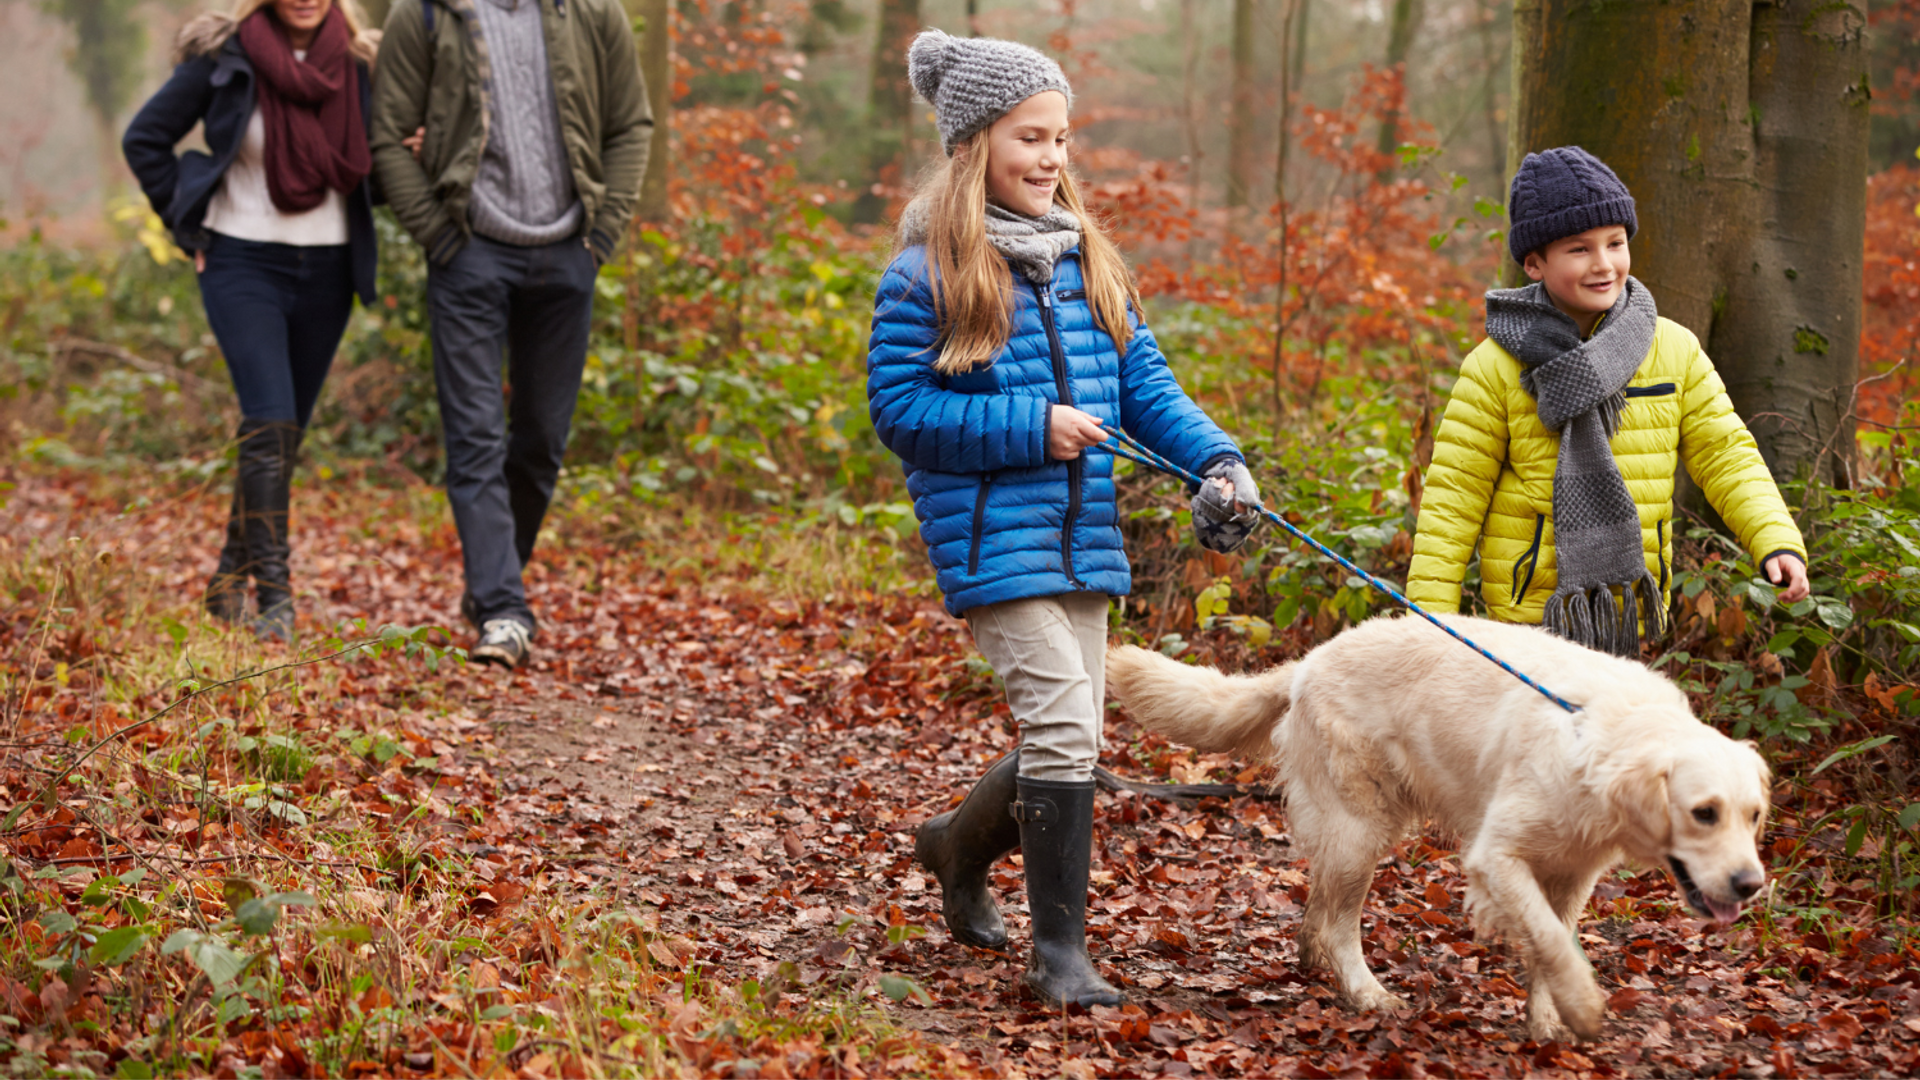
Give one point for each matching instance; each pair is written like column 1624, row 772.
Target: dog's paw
column 1373, row 999
column 1543, row 1020
column 1582, row 1008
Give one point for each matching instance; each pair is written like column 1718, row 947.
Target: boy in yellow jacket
column 1558, row 451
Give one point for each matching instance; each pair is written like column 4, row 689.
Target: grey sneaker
column 502, row 641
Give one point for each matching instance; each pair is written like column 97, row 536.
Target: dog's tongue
column 1723, row 912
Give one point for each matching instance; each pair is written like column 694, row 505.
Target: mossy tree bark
column 889, row 108
column 1741, row 127
column 1240, row 108
column 656, row 66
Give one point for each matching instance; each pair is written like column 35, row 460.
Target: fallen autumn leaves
column 681, row 844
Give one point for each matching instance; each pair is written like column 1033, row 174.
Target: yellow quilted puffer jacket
column 1491, row 481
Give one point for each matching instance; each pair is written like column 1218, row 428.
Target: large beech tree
column 1741, row 126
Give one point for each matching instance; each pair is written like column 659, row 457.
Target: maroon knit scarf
column 315, row 138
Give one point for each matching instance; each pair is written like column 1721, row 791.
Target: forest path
column 745, row 771
column 753, row 771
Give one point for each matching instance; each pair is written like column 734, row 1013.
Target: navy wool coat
column 1002, row 520
column 218, row 88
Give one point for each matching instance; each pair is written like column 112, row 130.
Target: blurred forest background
column 1311, row 192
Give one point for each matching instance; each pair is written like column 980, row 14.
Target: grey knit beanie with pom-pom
column 971, row 82
column 1561, row 192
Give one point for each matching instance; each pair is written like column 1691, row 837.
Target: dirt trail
column 754, row 772
column 749, row 771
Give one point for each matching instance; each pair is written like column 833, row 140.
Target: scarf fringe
column 1599, row 619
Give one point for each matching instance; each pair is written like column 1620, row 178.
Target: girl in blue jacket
column 1005, row 333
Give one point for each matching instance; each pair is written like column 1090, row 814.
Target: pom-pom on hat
column 971, row 82
column 1560, row 192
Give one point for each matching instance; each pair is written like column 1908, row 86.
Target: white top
column 242, row 208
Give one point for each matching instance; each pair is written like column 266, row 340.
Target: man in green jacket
column 510, row 137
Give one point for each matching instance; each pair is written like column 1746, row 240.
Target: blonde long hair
column 973, row 286
column 204, row 34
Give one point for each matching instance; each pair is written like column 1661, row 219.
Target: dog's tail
column 1198, row 706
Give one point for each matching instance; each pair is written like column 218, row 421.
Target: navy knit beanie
column 1561, row 192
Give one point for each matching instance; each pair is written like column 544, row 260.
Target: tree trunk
column 1299, row 65
column 1196, row 152
column 1240, row 111
column 656, row 66
column 1741, row 128
column 1292, row 21
column 109, row 42
column 889, row 108
column 1489, row 98
column 1790, row 333
column 1406, row 19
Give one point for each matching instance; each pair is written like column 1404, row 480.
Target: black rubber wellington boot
column 960, row 846
column 1056, row 843
column 267, row 450
column 226, row 597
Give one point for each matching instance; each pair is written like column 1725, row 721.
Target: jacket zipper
column 1660, row 535
column 1064, row 388
column 979, row 524
column 1531, row 559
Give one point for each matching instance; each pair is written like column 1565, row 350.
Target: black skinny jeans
column 278, row 312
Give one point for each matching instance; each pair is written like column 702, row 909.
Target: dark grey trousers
column 533, row 304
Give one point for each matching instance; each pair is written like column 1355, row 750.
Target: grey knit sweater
column 524, row 191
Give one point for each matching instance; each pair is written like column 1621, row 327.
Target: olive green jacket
column 433, row 73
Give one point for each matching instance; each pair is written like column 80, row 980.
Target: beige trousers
column 1052, row 653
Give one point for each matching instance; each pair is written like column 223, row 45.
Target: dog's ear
column 1633, row 782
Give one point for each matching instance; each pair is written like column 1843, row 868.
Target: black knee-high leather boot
column 267, row 451
column 1056, row 843
column 226, row 597
column 960, row 847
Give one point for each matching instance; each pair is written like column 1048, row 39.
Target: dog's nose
column 1747, row 882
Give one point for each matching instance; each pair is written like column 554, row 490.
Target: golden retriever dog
column 1392, row 723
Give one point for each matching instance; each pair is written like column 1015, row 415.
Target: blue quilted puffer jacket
column 1001, row 520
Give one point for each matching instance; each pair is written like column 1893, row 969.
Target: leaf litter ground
column 741, row 769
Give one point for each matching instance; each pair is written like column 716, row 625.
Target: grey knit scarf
column 1578, row 387
column 1032, row 244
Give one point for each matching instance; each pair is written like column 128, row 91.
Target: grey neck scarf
column 1032, row 244
column 1578, row 387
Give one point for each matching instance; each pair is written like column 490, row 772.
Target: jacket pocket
column 979, row 524
column 1070, row 294
column 1656, row 390
column 1530, row 560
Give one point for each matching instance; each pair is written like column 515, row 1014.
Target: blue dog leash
column 1120, row 444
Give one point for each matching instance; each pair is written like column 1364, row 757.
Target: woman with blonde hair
column 278, row 215
column 1006, row 333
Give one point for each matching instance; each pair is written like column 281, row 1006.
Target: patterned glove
column 1215, row 523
